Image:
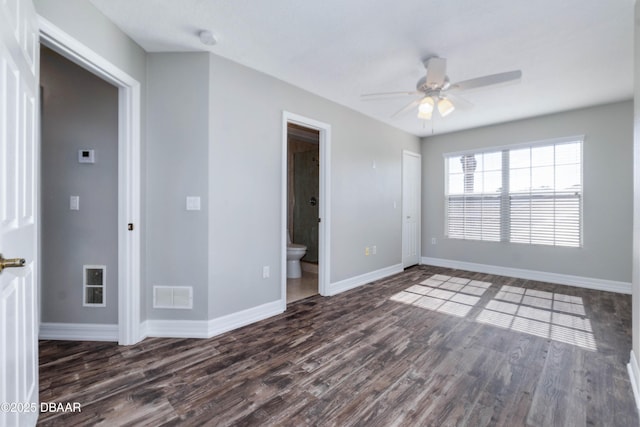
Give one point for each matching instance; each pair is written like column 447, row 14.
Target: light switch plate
column 74, row 203
column 193, row 203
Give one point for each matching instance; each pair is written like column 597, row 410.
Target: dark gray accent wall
column 79, row 111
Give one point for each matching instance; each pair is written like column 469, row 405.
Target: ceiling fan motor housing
column 432, row 90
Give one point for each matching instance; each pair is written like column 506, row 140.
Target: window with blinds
column 523, row 194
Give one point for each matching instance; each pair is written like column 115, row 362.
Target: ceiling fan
column 435, row 89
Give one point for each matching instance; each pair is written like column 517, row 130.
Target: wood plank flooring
column 415, row 349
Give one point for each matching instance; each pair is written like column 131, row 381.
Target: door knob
column 10, row 262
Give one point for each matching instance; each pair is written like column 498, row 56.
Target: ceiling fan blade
column 408, row 107
column 489, row 80
column 383, row 95
column 436, row 71
column 460, row 102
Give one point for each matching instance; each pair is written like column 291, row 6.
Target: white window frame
column 506, row 195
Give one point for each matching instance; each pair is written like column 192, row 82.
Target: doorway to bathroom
column 305, row 219
column 303, row 191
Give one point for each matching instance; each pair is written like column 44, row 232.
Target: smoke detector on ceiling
column 207, row 37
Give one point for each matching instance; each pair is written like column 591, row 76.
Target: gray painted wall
column 241, row 191
column 214, row 131
column 607, row 183
column 81, row 20
column 245, row 163
column 177, row 167
column 241, row 198
column 636, row 196
column 79, row 111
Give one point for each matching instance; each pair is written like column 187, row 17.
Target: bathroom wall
column 303, row 183
column 306, row 171
column 79, row 111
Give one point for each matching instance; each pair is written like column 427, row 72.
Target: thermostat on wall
column 86, row 156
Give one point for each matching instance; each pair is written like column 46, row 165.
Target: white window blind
column 526, row 194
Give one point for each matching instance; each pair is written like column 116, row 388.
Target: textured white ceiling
column 572, row 53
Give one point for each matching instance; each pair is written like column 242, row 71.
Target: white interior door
column 411, row 176
column 19, row 53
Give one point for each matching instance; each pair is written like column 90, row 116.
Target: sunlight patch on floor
column 544, row 314
column 445, row 294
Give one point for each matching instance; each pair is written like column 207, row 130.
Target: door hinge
column 130, row 226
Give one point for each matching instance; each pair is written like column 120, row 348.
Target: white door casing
column 411, row 176
column 19, row 73
column 324, row 208
column 129, row 146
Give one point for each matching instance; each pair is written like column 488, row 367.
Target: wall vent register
column 180, row 297
column 94, row 294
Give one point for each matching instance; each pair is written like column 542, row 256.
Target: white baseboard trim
column 541, row 276
column 242, row 318
column 210, row 328
column 220, row 325
column 363, row 279
column 161, row 328
column 78, row 332
column 634, row 375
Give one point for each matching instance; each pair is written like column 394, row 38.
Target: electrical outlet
column 433, row 241
column 266, row 272
column 366, row 251
column 374, row 249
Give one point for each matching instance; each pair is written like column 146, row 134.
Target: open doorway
column 303, row 191
column 313, row 202
column 79, row 201
column 128, row 328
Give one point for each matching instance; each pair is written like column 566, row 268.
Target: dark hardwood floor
column 494, row 352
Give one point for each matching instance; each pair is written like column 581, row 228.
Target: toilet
column 294, row 253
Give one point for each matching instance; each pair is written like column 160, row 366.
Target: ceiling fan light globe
column 445, row 107
column 425, row 115
column 426, row 107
